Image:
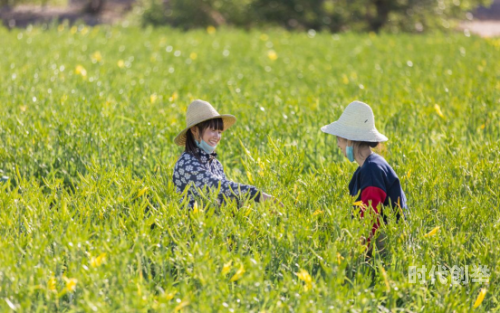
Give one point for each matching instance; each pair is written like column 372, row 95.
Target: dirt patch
column 24, row 15
column 482, row 28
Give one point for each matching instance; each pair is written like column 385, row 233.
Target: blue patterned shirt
column 207, row 172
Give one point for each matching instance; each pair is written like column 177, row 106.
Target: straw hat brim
column 227, row 119
column 345, row 132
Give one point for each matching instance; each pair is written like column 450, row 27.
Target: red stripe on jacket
column 374, row 196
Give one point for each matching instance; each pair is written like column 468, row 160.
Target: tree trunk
column 94, row 6
column 383, row 8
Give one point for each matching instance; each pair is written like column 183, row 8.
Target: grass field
column 88, row 118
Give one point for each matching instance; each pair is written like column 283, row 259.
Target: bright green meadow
column 89, row 216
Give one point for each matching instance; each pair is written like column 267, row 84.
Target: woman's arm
column 201, row 177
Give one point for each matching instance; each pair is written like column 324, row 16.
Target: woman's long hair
column 191, row 147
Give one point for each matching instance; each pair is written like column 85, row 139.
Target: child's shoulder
column 375, row 163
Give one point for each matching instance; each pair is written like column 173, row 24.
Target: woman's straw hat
column 356, row 123
column 200, row 111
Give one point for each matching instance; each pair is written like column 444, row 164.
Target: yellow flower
column 345, row 80
column 95, row 262
column 384, row 274
column 73, row 30
column 272, row 55
column 193, row 55
column 181, row 305
column 51, row 284
column 141, row 192
column 432, row 232
column 96, row 56
column 211, row 30
column 238, row 274
column 339, row 258
column 359, row 203
column 169, row 296
column 70, row 284
column 438, row 110
column 305, row 277
column 153, row 98
column 227, row 267
column 297, row 198
column 121, row 64
column 174, row 96
column 60, row 28
column 480, row 298
column 264, row 37
column 317, row 212
column 80, row 70
column 195, row 208
column 249, row 175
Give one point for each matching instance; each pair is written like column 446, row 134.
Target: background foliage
column 332, row 15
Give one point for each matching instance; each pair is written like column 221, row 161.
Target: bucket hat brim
column 351, row 134
column 357, row 123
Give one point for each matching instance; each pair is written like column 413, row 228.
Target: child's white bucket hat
column 356, row 123
column 200, row 111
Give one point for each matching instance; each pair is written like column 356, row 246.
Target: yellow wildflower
column 272, row 55
column 97, row 261
column 345, row 80
column 70, row 284
column 227, row 267
column 339, row 258
column 181, row 305
column 305, row 277
column 96, row 56
column 432, row 232
column 480, row 298
column 174, row 96
column 238, row 274
column 317, row 212
column 438, row 110
column 211, row 30
column 80, row 70
column 169, row 296
column 249, row 175
column 51, row 284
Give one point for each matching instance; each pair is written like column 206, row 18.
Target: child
column 374, row 182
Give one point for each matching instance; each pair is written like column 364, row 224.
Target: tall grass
column 90, row 220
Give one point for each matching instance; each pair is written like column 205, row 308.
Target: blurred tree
column 94, row 6
column 333, row 15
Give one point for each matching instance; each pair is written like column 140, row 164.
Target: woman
column 197, row 168
column 374, row 182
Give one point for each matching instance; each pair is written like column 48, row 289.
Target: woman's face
column 210, row 136
column 342, row 143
